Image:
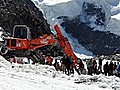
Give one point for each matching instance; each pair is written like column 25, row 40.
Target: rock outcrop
column 98, row 42
column 13, row 12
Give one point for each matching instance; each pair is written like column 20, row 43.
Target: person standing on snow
column 80, row 66
column 89, row 66
column 114, row 68
column 106, row 69
column 63, row 67
column 110, row 68
column 67, row 64
column 100, row 64
column 94, row 66
column 118, row 69
column 56, row 65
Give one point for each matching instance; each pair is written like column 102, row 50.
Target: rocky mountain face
column 13, row 12
column 93, row 15
column 96, row 41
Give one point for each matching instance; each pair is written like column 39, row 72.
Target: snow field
column 43, row 77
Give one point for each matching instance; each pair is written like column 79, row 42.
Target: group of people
column 66, row 65
column 109, row 68
column 94, row 66
column 112, row 68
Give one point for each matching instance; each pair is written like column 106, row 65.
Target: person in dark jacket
column 67, row 64
column 62, row 61
column 100, row 64
column 81, row 66
column 94, row 66
column 114, row 69
column 56, row 65
column 106, row 68
column 89, row 66
column 110, row 68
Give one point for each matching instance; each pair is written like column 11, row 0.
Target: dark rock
column 14, row 12
column 98, row 42
column 94, row 11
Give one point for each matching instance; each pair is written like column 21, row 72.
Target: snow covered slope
column 115, row 9
column 114, row 24
column 43, row 77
